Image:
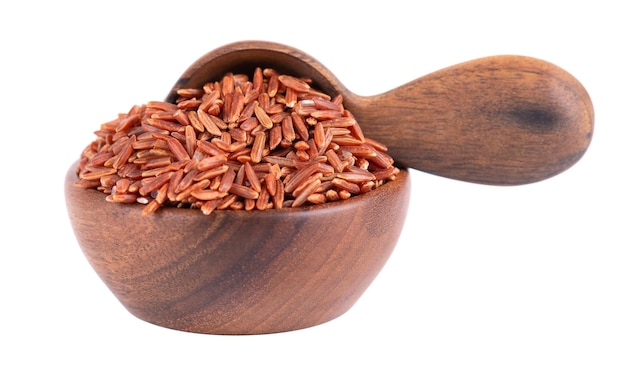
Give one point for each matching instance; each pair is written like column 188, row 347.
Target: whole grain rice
column 270, row 142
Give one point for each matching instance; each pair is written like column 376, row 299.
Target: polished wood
column 500, row 120
column 239, row 272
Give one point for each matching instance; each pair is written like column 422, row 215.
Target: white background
column 530, row 275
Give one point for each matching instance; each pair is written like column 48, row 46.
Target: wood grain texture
column 501, row 120
column 239, row 272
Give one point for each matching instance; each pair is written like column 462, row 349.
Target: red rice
column 270, row 142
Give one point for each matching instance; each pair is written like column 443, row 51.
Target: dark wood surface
column 500, row 120
column 239, row 272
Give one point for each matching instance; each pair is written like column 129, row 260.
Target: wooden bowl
column 236, row 271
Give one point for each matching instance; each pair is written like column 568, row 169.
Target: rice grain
column 259, row 142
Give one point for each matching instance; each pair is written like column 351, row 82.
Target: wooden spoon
column 501, row 120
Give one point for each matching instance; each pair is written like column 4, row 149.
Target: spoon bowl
column 237, row 271
column 500, row 120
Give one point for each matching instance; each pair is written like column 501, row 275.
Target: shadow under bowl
column 237, row 271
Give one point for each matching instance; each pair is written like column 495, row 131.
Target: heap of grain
column 270, row 142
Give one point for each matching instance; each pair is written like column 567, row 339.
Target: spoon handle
column 501, row 120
